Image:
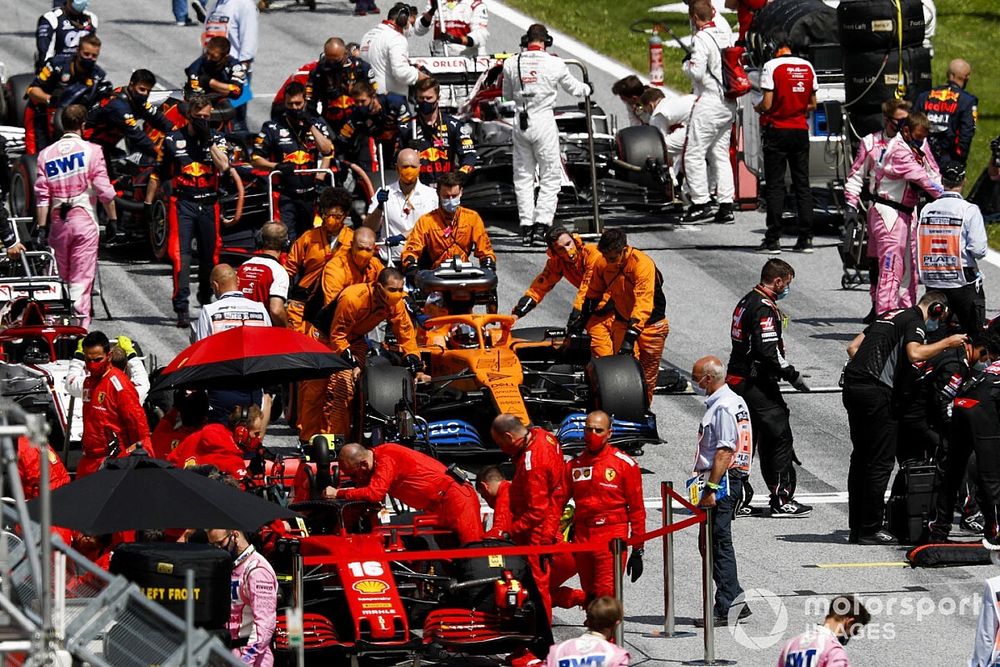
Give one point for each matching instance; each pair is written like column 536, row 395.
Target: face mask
column 593, row 442
column 80, row 6
column 391, row 298
column 570, row 253
column 451, row 204
column 426, row 108
column 201, row 128
column 333, row 225
column 408, row 175
column 361, row 258
column 783, row 293
column 98, row 367
column 930, row 326
column 843, row 639
column 979, row 366
column 86, row 65
column 296, row 115
column 230, row 546
column 140, row 100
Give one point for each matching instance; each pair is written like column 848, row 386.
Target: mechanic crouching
column 360, row 308
column 414, row 479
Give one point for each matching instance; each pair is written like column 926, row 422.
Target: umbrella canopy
column 140, row 493
column 249, row 358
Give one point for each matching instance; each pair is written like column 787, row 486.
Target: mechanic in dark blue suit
column 373, row 116
column 953, row 113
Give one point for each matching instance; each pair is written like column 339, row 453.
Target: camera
column 522, row 119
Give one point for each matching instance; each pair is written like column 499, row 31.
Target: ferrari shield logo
column 100, row 397
column 609, row 474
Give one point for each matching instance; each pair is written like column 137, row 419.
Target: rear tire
column 617, row 387
column 636, row 145
column 18, row 86
column 22, row 186
column 158, row 228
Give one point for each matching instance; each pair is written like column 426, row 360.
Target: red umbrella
column 249, row 358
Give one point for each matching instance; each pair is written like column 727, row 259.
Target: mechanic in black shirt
column 216, row 73
column 443, row 141
column 892, row 341
column 59, row 30
column 329, row 85
column 373, row 116
column 118, row 116
column 756, row 364
column 296, row 140
column 952, row 112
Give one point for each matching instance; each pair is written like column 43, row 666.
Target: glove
column 633, row 568
column 995, row 147
column 524, row 306
column 448, row 38
column 287, row 169
column 434, row 6
column 78, row 353
column 348, row 356
column 628, row 342
column 110, row 230
column 413, row 363
column 396, row 239
column 42, row 237
column 576, row 322
column 409, row 267
column 590, row 85
column 382, row 196
column 125, row 343
column 799, row 383
column 851, row 216
column 488, row 263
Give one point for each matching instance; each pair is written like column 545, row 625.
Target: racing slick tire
column 18, row 86
column 636, row 146
column 22, row 187
column 158, row 227
column 617, row 387
column 383, row 384
column 870, row 25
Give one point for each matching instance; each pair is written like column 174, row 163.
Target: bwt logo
column 582, row 662
column 64, row 165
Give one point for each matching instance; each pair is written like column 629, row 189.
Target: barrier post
column 617, row 546
column 708, row 589
column 298, row 602
column 669, row 630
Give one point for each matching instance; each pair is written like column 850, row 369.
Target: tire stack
column 869, row 35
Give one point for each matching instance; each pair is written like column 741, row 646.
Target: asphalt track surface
column 919, row 616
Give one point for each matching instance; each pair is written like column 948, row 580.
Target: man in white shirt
column 230, row 309
column 460, row 27
column 262, row 278
column 384, row 47
column 670, row 116
column 398, row 206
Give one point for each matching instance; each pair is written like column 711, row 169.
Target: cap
column 952, row 174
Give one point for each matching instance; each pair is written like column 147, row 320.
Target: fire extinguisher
column 655, row 57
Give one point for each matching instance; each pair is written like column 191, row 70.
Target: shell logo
column 370, row 586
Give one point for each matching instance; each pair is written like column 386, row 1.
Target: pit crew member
column 253, row 615
column 756, row 364
column 329, row 84
column 63, row 80
column 384, row 47
column 237, row 21
column 824, row 644
column 461, row 27
column 670, row 116
column 358, row 265
column 215, row 73
column 532, row 79
column 262, row 278
column 952, row 112
column 188, row 415
column 443, row 141
column 230, row 309
column 606, row 485
column 628, row 280
column 59, row 30
column 297, row 140
column 397, row 207
column 29, row 468
column 629, row 90
column 360, row 308
column 113, row 419
column 134, row 368
column 118, row 117
column 412, row 478
column 375, row 117
column 71, row 178
column 595, row 647
column 448, row 231
column 495, row 490
column 223, row 445
column 193, row 159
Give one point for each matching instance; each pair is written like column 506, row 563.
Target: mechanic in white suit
column 460, row 27
column 670, row 116
column 384, row 47
column 708, row 133
column 985, row 651
column 532, row 79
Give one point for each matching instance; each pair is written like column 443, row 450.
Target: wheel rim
column 158, row 225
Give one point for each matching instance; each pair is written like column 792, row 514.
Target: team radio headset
column 522, row 116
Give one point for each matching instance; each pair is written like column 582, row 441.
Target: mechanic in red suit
column 112, row 412
column 606, row 484
column 745, row 11
column 223, row 445
column 414, row 479
column 187, row 416
column 29, row 468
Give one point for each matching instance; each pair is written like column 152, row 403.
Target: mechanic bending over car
column 625, row 278
column 606, row 485
column 374, row 116
column 62, row 81
column 570, row 258
column 401, row 203
column 59, row 30
column 328, row 88
column 193, row 160
column 448, row 231
column 70, row 172
column 443, row 141
column 113, row 419
column 215, row 73
column 296, row 140
column 360, row 308
column 223, row 445
column 419, row 481
column 358, row 265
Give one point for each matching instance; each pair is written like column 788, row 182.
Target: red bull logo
column 943, row 94
column 299, row 158
column 196, row 169
column 434, row 154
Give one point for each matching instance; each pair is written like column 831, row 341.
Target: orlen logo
column 370, row 586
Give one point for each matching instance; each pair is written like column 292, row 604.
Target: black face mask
column 86, row 65
column 332, row 67
column 202, row 130
column 296, row 115
column 426, row 108
column 140, row 100
column 213, row 66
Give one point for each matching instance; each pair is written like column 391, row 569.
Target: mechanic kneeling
column 414, row 479
column 223, row 445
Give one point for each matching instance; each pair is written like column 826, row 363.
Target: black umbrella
column 141, row 493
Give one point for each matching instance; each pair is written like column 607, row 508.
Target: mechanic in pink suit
column 594, row 647
column 906, row 166
column 823, row 645
column 70, row 173
column 253, row 615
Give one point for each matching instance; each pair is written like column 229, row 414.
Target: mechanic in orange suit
column 358, row 265
column 447, row 231
column 570, row 258
column 360, row 309
column 627, row 278
column 222, row 445
column 188, row 415
column 305, row 262
column 412, row 478
column 112, row 412
column 29, row 468
column 606, row 484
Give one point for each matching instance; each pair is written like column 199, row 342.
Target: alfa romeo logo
column 767, row 607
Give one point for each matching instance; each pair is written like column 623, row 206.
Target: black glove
column 851, row 216
column 382, row 196
column 413, row 363
column 488, row 263
column 799, row 382
column 633, row 568
column 590, row 85
column 110, row 230
column 524, row 306
column 287, row 169
column 448, row 38
column 995, row 147
column 576, row 322
column 409, row 268
column 42, row 237
column 628, row 342
column 348, row 356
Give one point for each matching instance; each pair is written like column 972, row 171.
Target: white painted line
column 993, row 257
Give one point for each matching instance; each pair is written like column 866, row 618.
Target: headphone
column 241, row 432
column 936, row 309
column 547, row 42
column 402, row 17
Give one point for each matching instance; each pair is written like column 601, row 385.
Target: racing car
column 480, row 366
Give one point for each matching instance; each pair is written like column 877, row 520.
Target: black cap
column 952, row 174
